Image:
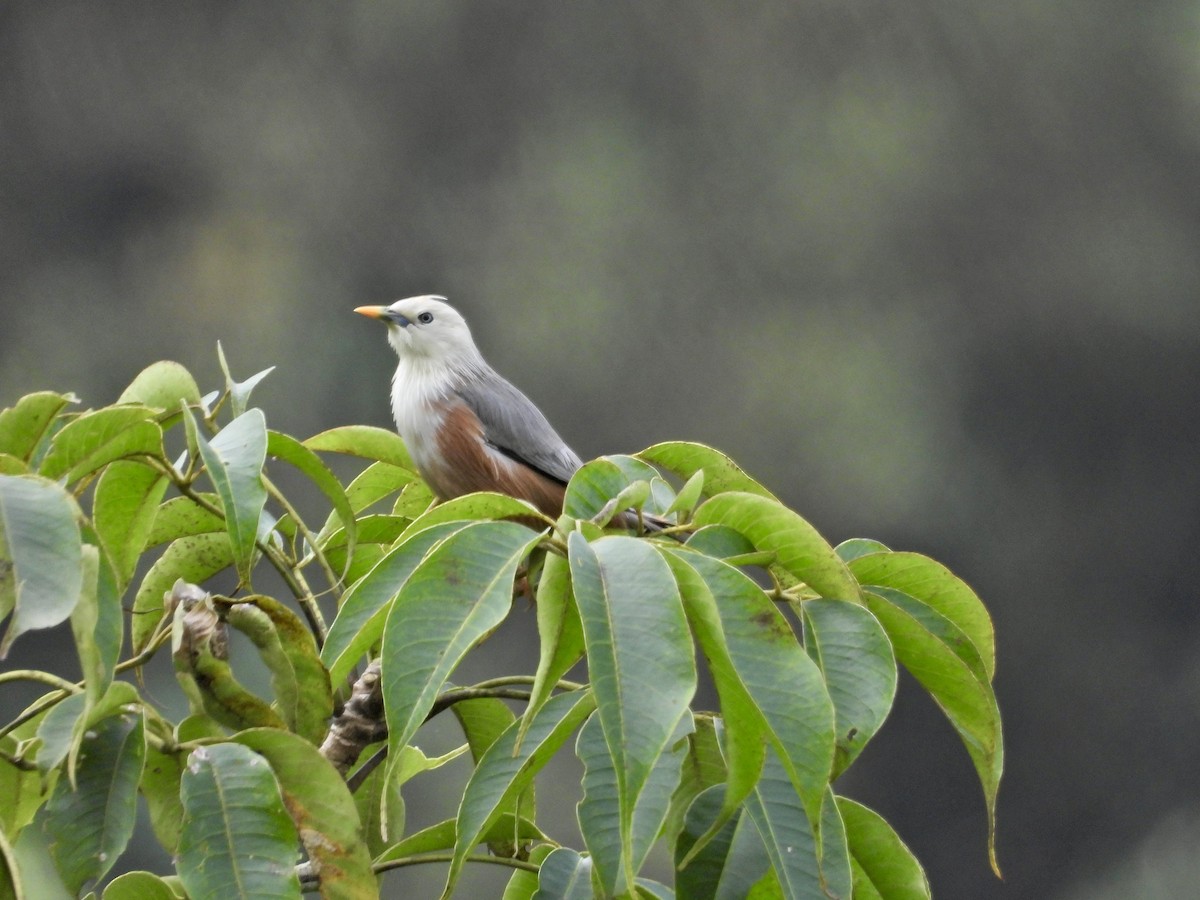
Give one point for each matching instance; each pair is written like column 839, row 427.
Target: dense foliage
column 115, row 519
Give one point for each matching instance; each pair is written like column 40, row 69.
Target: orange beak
column 373, row 312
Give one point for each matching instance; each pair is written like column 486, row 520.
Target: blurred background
column 927, row 270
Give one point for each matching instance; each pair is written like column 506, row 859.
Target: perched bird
column 466, row 427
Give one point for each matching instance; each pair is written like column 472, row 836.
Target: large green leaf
column 803, row 870
column 323, row 811
column 290, row 450
column 483, row 720
column 936, row 586
column 365, row 441
column 237, row 839
column 565, row 875
column 89, row 826
column 451, row 601
column 138, row 886
column 482, row 505
column 747, row 640
column 123, row 512
column 703, row 767
column 360, row 620
column 504, row 772
column 524, row 884
column 26, row 425
column 307, row 703
column 721, row 474
column 600, row 481
column 194, row 559
column 41, row 555
column 97, row 658
column 97, row 438
column 730, row 863
column 372, row 484
column 968, row 702
column 160, row 787
column 162, row 385
column 883, row 866
column 443, row 835
column 797, row 546
column 183, row 517
column 234, row 460
column 743, row 739
column 856, row 659
column 599, row 810
column 559, row 630
column 640, row 658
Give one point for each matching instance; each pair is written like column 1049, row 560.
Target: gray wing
column 517, row 428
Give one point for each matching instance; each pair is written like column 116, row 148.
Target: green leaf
column 730, row 863
column 234, row 460
column 504, row 772
column 26, row 425
column 360, row 620
column 799, row 549
column 10, row 465
column 290, row 450
column 721, row 542
column 936, row 586
column 855, row 547
column 788, row 837
column 183, row 517
column 749, row 642
column 96, row 438
column 560, row 631
column 41, row 555
column 481, row 505
column 599, row 812
column 23, row 790
column 703, row 767
column 689, row 495
column 89, row 827
column 301, row 668
column 124, row 510
column 162, row 385
column 443, row 835
column 236, row 833
column 12, row 885
column 365, row 441
column 856, row 659
column 881, row 862
column 138, row 886
column 565, row 875
column 323, row 811
column 193, row 559
column 160, row 787
column 375, row 482
column 524, row 884
column 451, row 601
column 968, row 703
column 97, row 659
column 57, row 730
column 600, row 481
column 239, row 391
column 483, row 719
column 639, row 658
column 721, row 474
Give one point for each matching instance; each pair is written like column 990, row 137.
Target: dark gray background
column 928, row 270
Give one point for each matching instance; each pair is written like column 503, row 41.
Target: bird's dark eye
column 425, row 318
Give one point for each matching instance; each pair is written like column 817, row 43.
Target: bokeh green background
column 929, row 270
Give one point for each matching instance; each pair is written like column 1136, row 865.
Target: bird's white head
column 429, row 329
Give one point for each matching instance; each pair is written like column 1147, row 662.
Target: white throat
column 420, row 388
